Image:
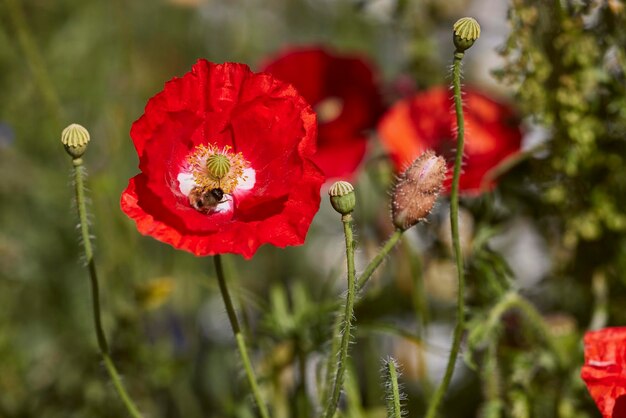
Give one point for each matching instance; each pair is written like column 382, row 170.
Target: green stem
column 34, row 58
column 331, row 366
column 241, row 343
column 454, row 223
column 347, row 319
column 600, row 292
column 119, row 386
column 373, row 265
column 302, row 403
column 513, row 300
column 491, row 381
column 420, row 304
column 95, row 292
column 394, row 409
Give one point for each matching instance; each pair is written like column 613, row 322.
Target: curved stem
column 454, row 223
column 513, row 300
column 347, row 319
column 239, row 337
column 119, row 386
column 95, row 293
column 376, row 261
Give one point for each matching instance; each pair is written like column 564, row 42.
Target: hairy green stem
column 394, row 409
column 95, row 292
column 347, row 320
column 454, row 223
column 331, row 366
column 376, row 261
column 239, row 337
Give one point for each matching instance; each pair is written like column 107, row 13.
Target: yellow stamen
column 214, row 167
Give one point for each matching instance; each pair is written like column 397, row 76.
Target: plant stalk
column 454, row 223
column 394, row 408
column 95, row 292
column 376, row 261
column 347, row 320
column 239, row 337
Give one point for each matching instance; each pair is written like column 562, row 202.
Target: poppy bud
column 466, row 30
column 75, row 139
column 417, row 189
column 342, row 197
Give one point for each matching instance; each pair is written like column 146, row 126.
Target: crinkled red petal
column 604, row 371
column 264, row 119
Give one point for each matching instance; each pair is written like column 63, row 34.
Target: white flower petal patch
column 186, row 182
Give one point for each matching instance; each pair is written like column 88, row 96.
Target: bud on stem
column 465, row 32
column 417, row 189
column 342, row 197
column 75, row 139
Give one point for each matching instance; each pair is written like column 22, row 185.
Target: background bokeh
column 554, row 229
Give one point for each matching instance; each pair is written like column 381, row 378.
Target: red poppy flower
column 604, row 371
column 225, row 159
column 343, row 90
column 427, row 121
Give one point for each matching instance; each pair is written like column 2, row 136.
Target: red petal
column 604, row 371
column 264, row 119
column 426, row 121
column 320, row 75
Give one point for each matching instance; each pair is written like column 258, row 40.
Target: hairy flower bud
column 342, row 197
column 465, row 32
column 417, row 189
column 75, row 139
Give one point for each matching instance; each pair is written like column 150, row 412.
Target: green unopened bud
column 342, row 197
column 417, row 189
column 218, row 166
column 466, row 30
column 75, row 139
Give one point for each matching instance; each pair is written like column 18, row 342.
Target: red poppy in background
column 427, row 121
column 345, row 94
column 225, row 160
column 604, row 371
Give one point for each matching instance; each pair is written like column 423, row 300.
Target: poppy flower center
column 215, row 168
column 211, row 176
column 329, row 109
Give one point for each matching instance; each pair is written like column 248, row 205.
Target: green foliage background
column 97, row 63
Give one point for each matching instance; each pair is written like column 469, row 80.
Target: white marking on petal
column 225, row 206
column 186, row 182
column 596, row 363
column 250, row 179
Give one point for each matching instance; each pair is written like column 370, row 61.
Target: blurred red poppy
column 604, row 371
column 225, row 160
column 427, row 121
column 344, row 91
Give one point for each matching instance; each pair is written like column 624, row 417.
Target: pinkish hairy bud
column 417, row 189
